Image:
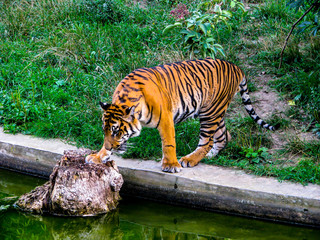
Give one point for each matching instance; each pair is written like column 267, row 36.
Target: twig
column 293, row 26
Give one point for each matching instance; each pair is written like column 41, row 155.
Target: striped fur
column 162, row 96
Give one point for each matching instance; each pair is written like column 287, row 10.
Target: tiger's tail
column 248, row 105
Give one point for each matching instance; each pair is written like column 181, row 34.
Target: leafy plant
column 197, row 29
column 255, row 156
column 297, row 4
column 316, row 128
column 313, row 26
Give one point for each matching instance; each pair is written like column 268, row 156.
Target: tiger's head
column 119, row 124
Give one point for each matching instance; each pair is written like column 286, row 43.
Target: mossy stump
column 76, row 188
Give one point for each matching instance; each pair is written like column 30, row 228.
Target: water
column 136, row 219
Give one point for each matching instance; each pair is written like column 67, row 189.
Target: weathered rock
column 76, row 188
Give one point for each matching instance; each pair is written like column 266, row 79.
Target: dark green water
column 135, row 219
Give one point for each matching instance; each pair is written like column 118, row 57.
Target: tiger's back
column 190, row 88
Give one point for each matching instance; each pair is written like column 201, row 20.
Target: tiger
column 162, row 96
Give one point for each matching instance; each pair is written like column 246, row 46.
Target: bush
column 197, row 30
column 104, row 11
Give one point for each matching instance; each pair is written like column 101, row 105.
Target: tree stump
column 76, row 188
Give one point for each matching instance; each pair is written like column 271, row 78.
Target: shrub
column 197, row 30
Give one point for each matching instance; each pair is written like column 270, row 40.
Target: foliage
column 255, row 156
column 316, row 128
column 268, row 12
column 313, row 24
column 306, row 171
column 297, row 4
column 303, row 90
column 197, row 30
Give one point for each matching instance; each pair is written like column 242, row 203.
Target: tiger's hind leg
column 208, row 129
column 220, row 140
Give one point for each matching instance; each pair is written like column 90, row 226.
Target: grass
column 58, row 59
column 186, row 139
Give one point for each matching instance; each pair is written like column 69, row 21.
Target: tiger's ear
column 129, row 114
column 130, row 110
column 105, row 106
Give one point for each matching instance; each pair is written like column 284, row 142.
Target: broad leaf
column 170, row 27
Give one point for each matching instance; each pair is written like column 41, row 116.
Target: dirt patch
column 266, row 101
column 268, row 104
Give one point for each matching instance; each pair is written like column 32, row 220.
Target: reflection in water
column 16, row 225
column 136, row 219
column 189, row 223
column 101, row 227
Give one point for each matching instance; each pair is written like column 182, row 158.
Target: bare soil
column 268, row 103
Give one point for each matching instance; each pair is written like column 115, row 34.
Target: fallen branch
column 293, row 26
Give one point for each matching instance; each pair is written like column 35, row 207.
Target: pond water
column 135, row 219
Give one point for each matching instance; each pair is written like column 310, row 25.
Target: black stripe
column 159, row 119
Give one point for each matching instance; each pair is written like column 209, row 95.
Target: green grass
column 305, row 170
column 58, row 59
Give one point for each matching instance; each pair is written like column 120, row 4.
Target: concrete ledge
column 205, row 187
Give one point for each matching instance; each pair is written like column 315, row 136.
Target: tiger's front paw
column 188, row 162
column 102, row 156
column 94, row 158
column 167, row 166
